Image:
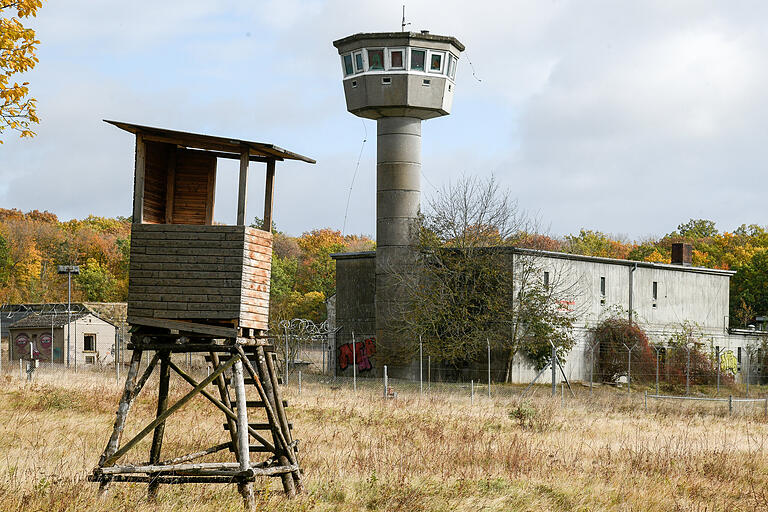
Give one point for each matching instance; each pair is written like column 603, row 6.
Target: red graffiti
column 363, row 351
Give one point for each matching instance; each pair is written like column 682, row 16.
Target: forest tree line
column 33, row 243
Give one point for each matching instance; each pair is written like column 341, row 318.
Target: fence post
column 299, row 382
column 629, row 370
column 429, row 373
column 592, row 367
column 553, row 363
column 285, row 381
column 386, row 383
column 21, row 370
column 717, row 354
column 749, row 369
column 765, row 407
column 471, row 392
column 657, row 371
column 421, row 367
column 730, row 404
column 562, row 394
column 354, row 364
column 489, row 367
column 645, row 400
column 688, row 371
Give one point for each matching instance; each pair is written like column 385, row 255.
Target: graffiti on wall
column 38, row 347
column 728, row 362
column 362, row 356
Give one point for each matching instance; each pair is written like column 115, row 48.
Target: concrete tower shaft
column 398, row 79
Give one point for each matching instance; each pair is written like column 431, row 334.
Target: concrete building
column 661, row 298
column 44, row 337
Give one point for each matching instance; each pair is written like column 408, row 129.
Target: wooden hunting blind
column 196, row 287
column 183, row 267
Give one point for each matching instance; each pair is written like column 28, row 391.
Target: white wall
column 105, row 339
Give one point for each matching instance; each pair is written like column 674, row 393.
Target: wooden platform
column 204, row 273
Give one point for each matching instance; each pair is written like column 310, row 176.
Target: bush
column 614, row 335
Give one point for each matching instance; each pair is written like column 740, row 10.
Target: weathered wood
column 170, row 186
column 129, row 394
column 195, row 455
column 138, row 183
column 283, row 417
column 242, row 190
column 225, row 468
column 130, row 444
column 223, row 332
column 224, row 406
column 209, row 204
column 269, row 197
column 162, row 405
column 259, row 426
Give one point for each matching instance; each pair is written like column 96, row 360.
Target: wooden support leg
column 243, row 452
column 221, row 384
column 162, row 405
column 282, row 417
column 282, row 458
column 129, row 393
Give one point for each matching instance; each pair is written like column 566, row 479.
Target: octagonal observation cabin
column 399, row 74
column 187, row 273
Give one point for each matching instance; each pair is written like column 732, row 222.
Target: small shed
column 44, row 337
column 184, row 269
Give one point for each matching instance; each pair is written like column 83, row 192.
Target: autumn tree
column 473, row 287
column 17, row 55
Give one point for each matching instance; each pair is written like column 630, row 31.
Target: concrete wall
column 698, row 296
column 105, row 340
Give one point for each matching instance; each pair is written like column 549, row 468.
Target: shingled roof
column 36, row 321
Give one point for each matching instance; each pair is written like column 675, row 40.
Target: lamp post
column 69, row 270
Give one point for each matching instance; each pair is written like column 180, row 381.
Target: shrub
column 614, row 335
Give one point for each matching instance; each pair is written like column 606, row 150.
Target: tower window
column 451, row 66
column 348, row 70
column 436, row 62
column 359, row 62
column 396, row 59
column 417, row 60
column 376, row 59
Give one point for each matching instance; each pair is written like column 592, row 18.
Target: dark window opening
column 417, row 60
column 546, row 279
column 89, row 343
column 602, row 286
column 655, row 290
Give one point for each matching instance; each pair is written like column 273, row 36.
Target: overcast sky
column 621, row 116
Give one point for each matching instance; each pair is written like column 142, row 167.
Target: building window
column 546, row 279
column 89, row 343
column 738, row 359
column 359, row 62
column 396, row 60
column 435, row 62
column 348, row 69
column 602, row 287
column 451, row 70
column 417, row 60
column 655, row 290
column 376, row 59
column 90, row 359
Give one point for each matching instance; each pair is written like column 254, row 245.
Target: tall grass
column 414, row 453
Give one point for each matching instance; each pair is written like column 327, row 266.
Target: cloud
column 617, row 116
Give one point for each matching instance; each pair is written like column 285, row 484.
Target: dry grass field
column 433, row 453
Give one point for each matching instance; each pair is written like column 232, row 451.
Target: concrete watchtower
column 399, row 79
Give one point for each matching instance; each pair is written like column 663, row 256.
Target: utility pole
column 69, row 270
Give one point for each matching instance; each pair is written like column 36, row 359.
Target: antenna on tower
column 403, row 24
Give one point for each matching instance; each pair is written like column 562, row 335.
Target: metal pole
column 688, row 371
column 554, row 368
column 386, row 384
column 645, row 400
column 489, row 366
column 629, row 370
column 75, row 358
column 354, row 364
column 285, row 381
column 322, row 349
column 717, row 354
column 429, row 373
column 69, row 315
column 765, row 408
column 657, row 371
column 471, row 391
column 749, row 370
column 562, row 394
column 592, row 367
column 730, row 404
column 421, row 367
column 21, row 370
column 299, row 381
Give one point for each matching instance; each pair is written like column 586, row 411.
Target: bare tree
column 472, row 286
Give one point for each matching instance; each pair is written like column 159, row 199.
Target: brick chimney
column 682, row 254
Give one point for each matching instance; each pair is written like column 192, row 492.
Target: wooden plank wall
column 257, row 265
column 155, row 170
column 200, row 273
column 195, row 175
